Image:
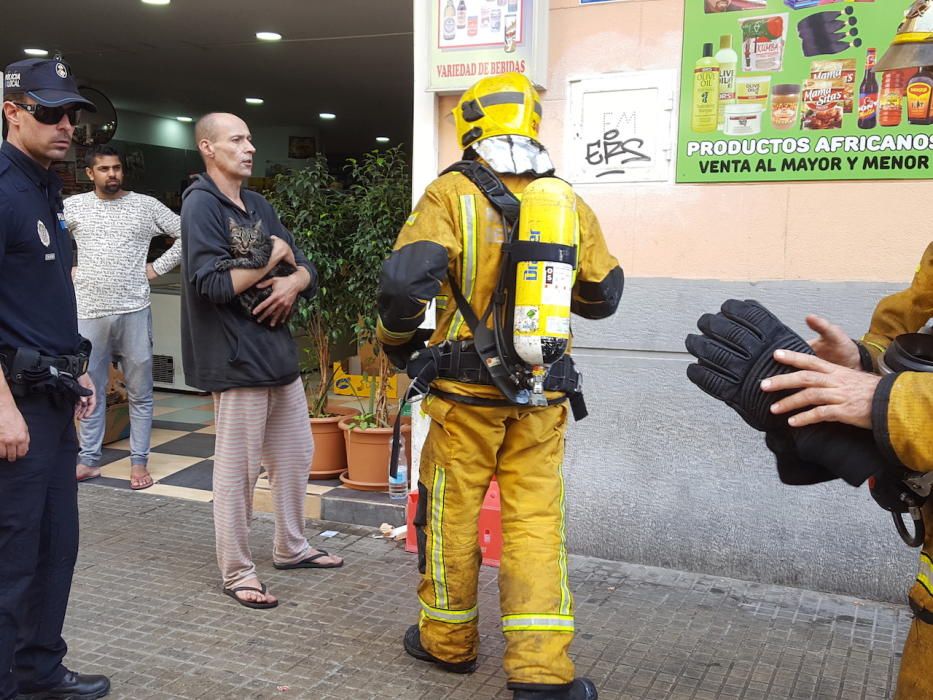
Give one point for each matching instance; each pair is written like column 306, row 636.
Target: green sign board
column 782, row 90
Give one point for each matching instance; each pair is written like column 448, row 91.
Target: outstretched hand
column 829, row 391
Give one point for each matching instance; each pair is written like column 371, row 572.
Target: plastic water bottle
column 398, row 485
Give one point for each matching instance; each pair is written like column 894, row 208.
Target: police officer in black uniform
column 42, row 387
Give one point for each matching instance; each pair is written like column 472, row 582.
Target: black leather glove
column 792, row 470
column 399, row 355
column 735, row 352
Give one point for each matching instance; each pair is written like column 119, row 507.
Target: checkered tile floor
column 181, row 463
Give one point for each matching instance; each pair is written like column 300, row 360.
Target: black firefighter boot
column 413, row 646
column 579, row 689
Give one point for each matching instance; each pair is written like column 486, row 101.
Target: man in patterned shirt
column 113, row 229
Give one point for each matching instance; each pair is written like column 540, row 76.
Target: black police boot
column 414, row 648
column 579, row 689
column 74, row 686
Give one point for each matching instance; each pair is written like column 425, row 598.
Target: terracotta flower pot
column 330, row 447
column 368, row 453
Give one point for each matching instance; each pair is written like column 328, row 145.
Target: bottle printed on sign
column 890, row 100
column 705, row 106
column 920, row 97
column 509, row 33
column 868, row 95
column 461, row 15
column 450, row 21
column 728, row 60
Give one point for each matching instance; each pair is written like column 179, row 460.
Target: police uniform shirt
column 37, row 299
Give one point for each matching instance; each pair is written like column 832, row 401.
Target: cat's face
column 245, row 237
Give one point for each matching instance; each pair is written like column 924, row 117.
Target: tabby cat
column 250, row 249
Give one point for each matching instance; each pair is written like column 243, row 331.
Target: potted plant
column 312, row 206
column 380, row 193
column 369, row 437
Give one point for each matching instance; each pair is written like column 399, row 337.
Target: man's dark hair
column 95, row 152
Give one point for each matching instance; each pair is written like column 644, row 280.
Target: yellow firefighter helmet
column 913, row 43
column 497, row 106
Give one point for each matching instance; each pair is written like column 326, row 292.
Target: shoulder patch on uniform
column 410, row 221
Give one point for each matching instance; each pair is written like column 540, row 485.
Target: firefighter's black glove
column 400, row 355
column 735, row 351
column 792, row 470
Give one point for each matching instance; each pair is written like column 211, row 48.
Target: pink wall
column 865, row 231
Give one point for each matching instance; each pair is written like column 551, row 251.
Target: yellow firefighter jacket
column 454, row 232
column 902, row 411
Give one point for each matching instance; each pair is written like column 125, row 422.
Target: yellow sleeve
column 412, row 275
column 902, row 419
column 903, row 312
column 600, row 280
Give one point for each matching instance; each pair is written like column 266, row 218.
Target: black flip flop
column 309, row 563
column 232, row 592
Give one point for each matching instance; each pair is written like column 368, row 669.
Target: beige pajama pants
column 256, row 426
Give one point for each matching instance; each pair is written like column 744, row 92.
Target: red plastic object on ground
column 489, row 530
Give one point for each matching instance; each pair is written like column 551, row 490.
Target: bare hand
column 278, row 305
column 836, row 394
column 282, row 251
column 86, row 404
column 151, row 274
column 833, row 345
column 14, row 435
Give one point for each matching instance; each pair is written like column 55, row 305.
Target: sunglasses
column 50, row 115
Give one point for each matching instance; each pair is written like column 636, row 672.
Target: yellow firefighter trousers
column 524, row 449
column 915, row 681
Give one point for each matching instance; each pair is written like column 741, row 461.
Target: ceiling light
column 184, row 119
column 327, row 115
column 254, row 100
column 156, row 2
column 35, row 52
column 382, row 139
column 268, row 36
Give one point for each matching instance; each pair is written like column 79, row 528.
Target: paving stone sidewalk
column 146, row 609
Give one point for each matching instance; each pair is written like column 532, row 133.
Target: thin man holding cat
column 241, row 276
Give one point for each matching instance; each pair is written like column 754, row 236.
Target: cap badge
column 61, row 70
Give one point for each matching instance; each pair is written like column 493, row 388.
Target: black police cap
column 49, row 82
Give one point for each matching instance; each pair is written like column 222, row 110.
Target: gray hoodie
column 222, row 348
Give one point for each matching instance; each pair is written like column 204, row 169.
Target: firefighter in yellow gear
column 904, row 431
column 901, row 410
column 452, row 245
column 900, row 415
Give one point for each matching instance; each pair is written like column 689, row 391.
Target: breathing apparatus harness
column 910, row 352
column 490, row 357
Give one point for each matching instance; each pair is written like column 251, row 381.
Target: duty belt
column 28, row 371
